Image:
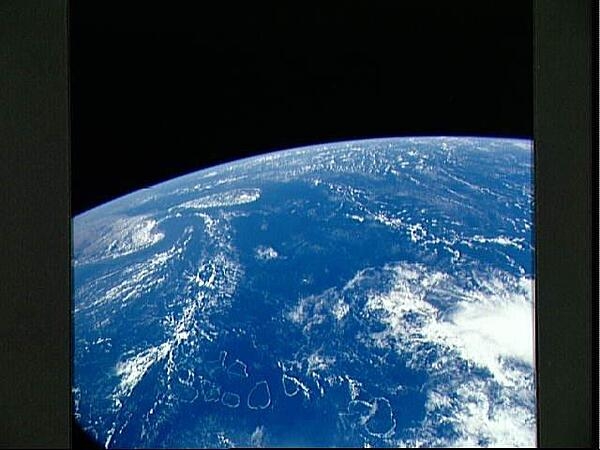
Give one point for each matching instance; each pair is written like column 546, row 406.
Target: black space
column 163, row 92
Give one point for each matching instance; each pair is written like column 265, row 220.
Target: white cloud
column 258, row 436
column 265, row 253
column 481, row 423
column 489, row 326
column 112, row 238
column 222, row 199
column 340, row 309
column 133, row 370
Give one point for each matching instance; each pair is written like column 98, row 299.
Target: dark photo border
column 35, row 356
column 35, row 288
column 566, row 180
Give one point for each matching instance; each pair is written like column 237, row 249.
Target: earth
column 374, row 293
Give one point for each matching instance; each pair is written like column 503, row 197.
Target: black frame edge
column 34, row 225
column 566, row 313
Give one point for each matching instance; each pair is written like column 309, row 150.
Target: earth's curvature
column 366, row 293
